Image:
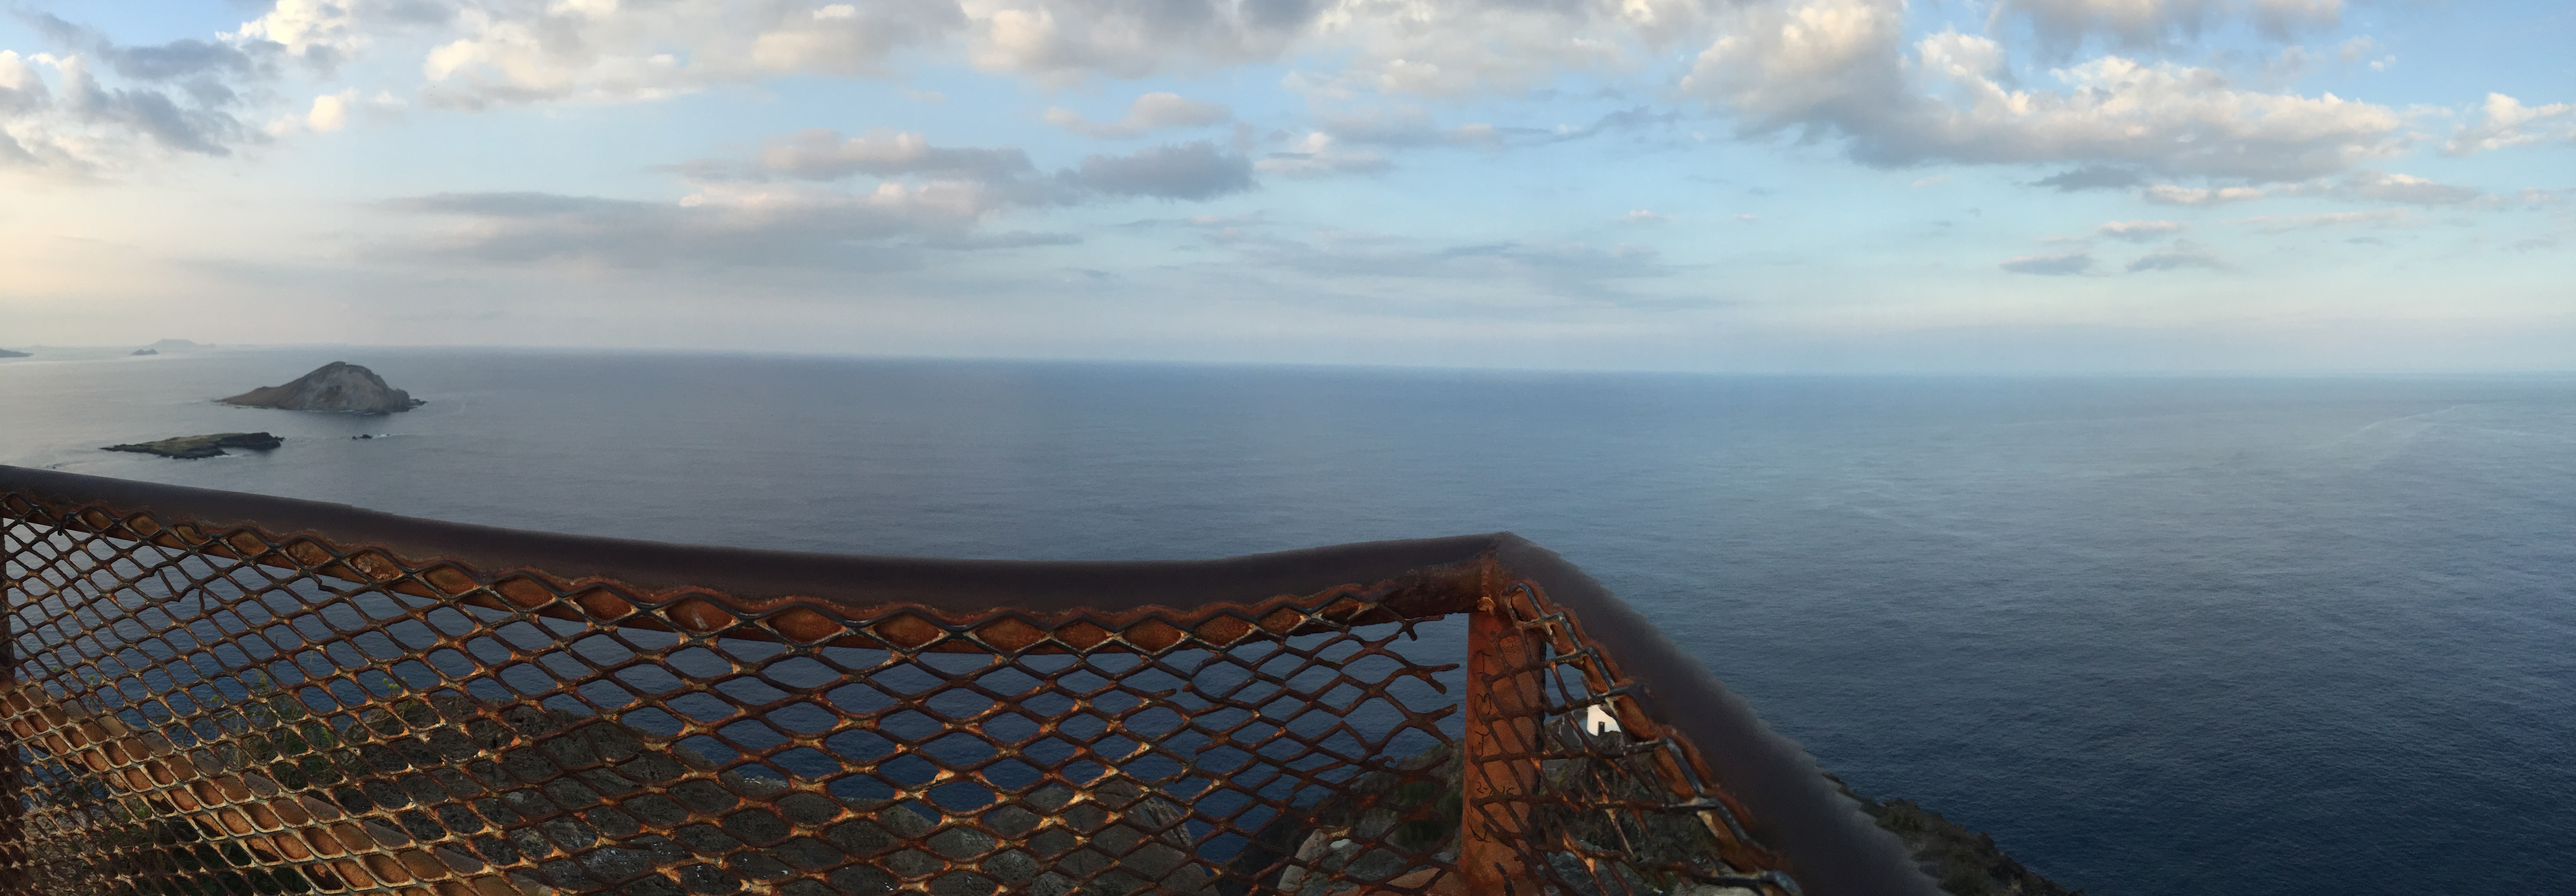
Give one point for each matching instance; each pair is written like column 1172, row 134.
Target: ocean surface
column 2157, row 635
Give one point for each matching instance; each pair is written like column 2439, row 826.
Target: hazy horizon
column 117, row 351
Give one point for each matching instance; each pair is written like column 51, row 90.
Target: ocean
column 2157, row 635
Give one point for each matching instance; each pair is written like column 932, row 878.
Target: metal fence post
column 1501, row 748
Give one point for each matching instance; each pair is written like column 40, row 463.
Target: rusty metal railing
column 218, row 693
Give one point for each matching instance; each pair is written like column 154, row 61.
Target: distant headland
column 338, row 387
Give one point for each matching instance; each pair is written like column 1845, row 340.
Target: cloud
column 2091, row 177
column 1565, row 270
column 2170, row 194
column 331, row 111
column 163, row 62
column 823, row 154
column 1151, row 112
column 1839, row 67
column 1318, row 154
column 2139, row 231
column 1197, row 170
column 726, row 225
column 531, row 52
column 2062, row 25
column 323, row 32
column 2050, row 265
column 2382, row 186
column 1646, row 216
column 170, row 100
column 2504, row 121
column 2366, row 185
column 1412, row 48
column 193, row 128
column 1402, row 126
column 2286, row 223
column 2182, row 254
column 525, row 51
column 774, row 209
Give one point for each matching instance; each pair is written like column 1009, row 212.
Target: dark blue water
column 2217, row 636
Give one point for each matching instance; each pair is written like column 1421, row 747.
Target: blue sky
column 1736, row 185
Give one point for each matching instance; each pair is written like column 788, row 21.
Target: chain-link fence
column 217, row 693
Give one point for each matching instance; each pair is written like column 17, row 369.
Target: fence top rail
column 754, row 574
column 1836, row 849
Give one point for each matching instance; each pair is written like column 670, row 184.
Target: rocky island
column 339, row 387
column 5, row 353
column 194, row 447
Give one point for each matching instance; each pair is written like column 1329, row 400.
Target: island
column 194, row 447
column 145, row 351
column 338, row 387
column 5, row 353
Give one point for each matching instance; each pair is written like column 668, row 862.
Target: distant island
column 194, row 447
column 5, row 353
column 339, row 387
column 145, row 351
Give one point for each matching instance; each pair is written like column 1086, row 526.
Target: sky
column 1718, row 185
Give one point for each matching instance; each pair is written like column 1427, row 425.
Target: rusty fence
column 218, row 693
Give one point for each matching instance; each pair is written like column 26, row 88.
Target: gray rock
column 339, row 387
column 193, row 447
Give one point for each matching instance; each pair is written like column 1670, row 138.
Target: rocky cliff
column 338, row 386
column 1965, row 863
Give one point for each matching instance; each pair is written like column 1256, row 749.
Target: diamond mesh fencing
column 203, row 708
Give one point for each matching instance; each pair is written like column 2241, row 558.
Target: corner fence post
column 1501, row 748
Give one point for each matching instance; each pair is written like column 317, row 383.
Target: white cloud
column 1318, row 154
column 2383, row 186
column 1402, row 126
column 2059, row 265
column 331, row 111
column 517, row 51
column 2504, row 121
column 1839, row 66
column 2182, row 254
column 2366, row 185
column 2139, row 231
column 2171, row 194
column 321, row 31
column 1151, row 112
column 1646, row 216
column 2286, row 223
column 541, row 50
column 821, row 154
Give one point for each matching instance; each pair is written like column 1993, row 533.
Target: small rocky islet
column 195, row 447
column 337, row 387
